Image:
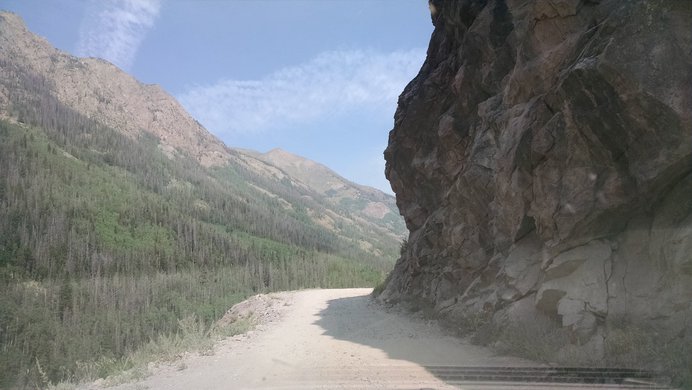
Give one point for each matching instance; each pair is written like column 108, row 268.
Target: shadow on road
column 404, row 337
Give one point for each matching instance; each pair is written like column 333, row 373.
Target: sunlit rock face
column 542, row 159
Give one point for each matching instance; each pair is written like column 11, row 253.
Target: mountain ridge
column 112, row 96
column 329, row 183
column 101, row 91
column 123, row 222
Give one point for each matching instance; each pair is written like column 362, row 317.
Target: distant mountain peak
column 103, row 93
column 283, row 158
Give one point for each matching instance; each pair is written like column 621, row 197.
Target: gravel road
column 328, row 339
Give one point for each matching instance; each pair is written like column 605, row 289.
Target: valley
column 540, row 161
column 113, row 227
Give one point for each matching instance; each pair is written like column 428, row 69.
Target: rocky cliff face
column 542, row 159
column 362, row 201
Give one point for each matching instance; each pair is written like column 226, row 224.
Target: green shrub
column 379, row 288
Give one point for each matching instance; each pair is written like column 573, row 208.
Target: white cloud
column 331, row 82
column 114, row 29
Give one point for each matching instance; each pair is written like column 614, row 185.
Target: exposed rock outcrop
column 542, row 160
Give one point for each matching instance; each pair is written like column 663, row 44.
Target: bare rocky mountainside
column 542, row 159
column 101, row 92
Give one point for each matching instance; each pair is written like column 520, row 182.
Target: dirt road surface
column 330, row 339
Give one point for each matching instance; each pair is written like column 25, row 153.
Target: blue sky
column 318, row 78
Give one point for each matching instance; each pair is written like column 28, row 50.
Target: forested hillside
column 107, row 240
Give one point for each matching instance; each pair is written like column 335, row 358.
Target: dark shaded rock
column 543, row 154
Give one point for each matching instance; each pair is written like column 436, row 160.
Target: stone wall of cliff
column 542, row 159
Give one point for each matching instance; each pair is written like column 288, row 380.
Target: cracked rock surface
column 542, row 159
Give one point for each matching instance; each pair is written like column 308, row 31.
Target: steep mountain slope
column 368, row 203
column 99, row 91
column 541, row 159
column 121, row 216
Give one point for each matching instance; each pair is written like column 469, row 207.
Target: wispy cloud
column 331, row 82
column 114, row 29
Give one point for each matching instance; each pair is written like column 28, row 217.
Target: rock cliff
column 542, row 160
